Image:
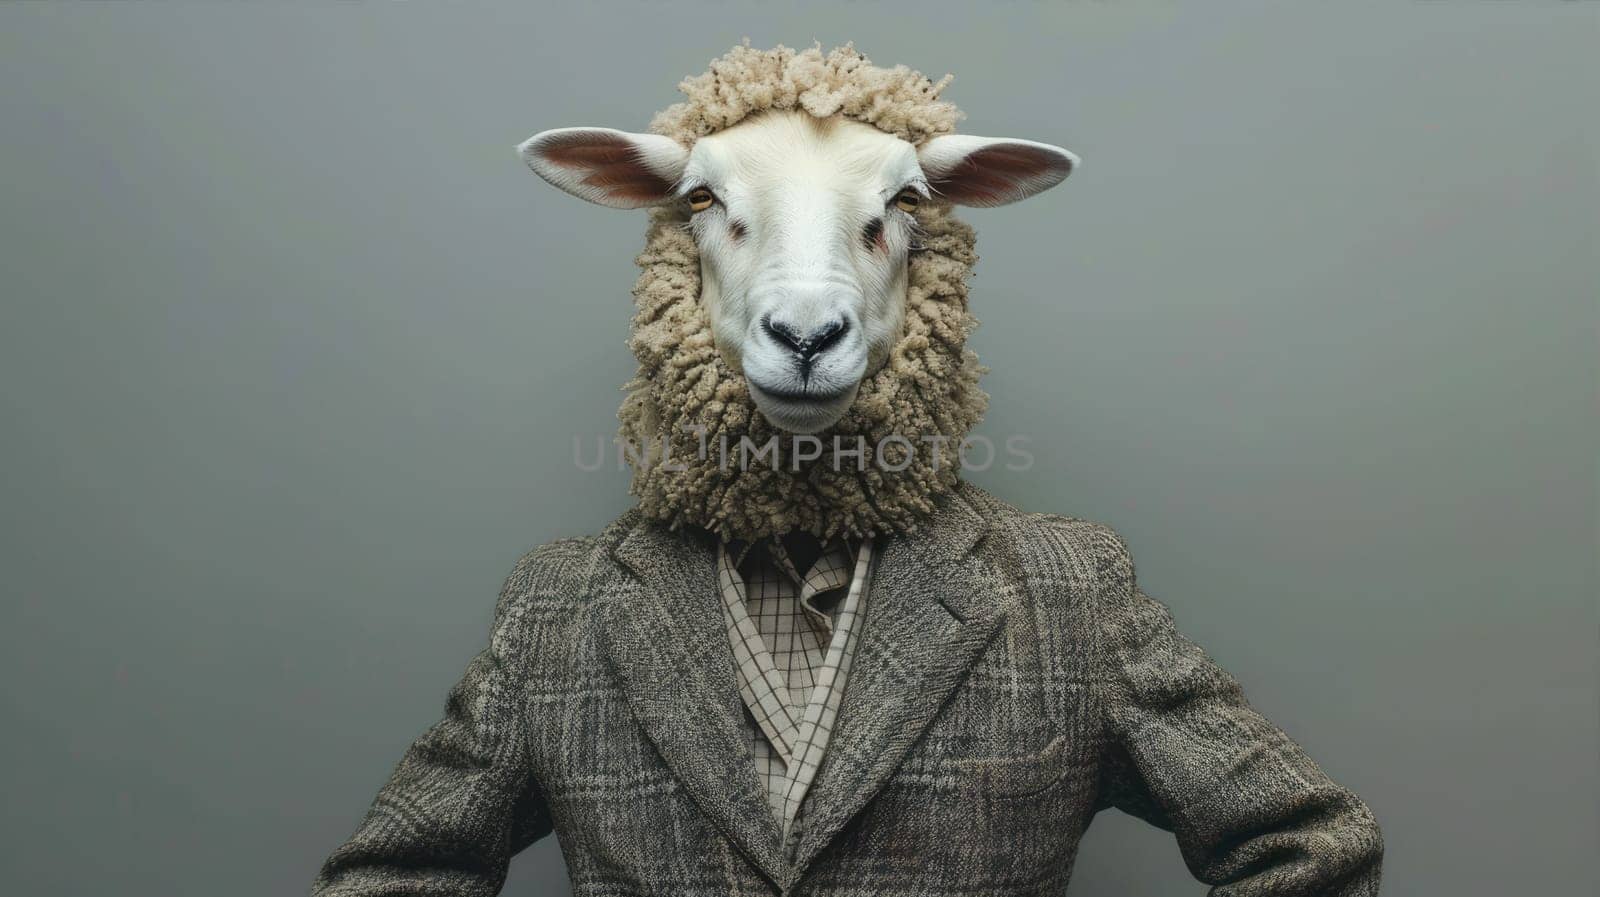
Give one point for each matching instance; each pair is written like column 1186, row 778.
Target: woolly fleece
column 686, row 393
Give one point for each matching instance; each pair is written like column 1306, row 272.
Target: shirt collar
column 825, row 578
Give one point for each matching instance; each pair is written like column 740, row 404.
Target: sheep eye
column 700, row 199
column 907, row 201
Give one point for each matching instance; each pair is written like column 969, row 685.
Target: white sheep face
column 804, row 228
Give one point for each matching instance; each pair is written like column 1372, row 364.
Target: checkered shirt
column 793, row 638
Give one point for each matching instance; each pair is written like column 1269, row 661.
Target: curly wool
column 745, row 81
column 687, row 412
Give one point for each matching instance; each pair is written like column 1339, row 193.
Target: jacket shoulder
column 1048, row 542
column 558, row 576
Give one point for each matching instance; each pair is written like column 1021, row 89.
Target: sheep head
column 804, row 226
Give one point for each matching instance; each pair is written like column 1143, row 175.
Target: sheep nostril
column 827, row 335
column 783, row 334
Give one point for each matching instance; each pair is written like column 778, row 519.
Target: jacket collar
column 928, row 620
column 663, row 630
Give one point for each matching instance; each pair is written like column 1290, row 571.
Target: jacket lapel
column 665, row 634
column 927, row 623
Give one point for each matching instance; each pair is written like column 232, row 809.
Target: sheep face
column 804, row 226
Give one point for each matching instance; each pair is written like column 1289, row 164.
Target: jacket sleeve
column 462, row 800
column 1253, row 814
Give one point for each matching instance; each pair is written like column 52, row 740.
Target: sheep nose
column 807, row 345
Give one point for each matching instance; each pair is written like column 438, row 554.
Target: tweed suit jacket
column 1012, row 680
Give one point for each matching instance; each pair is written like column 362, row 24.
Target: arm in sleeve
column 1253, row 814
column 462, row 800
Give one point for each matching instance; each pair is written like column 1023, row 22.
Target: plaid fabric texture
column 1011, row 680
column 793, row 637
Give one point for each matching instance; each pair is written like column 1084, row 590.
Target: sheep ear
column 992, row 171
column 612, row 168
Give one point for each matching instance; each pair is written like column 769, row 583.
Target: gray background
column 293, row 350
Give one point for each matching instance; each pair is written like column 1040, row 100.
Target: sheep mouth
column 802, row 396
column 802, row 411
